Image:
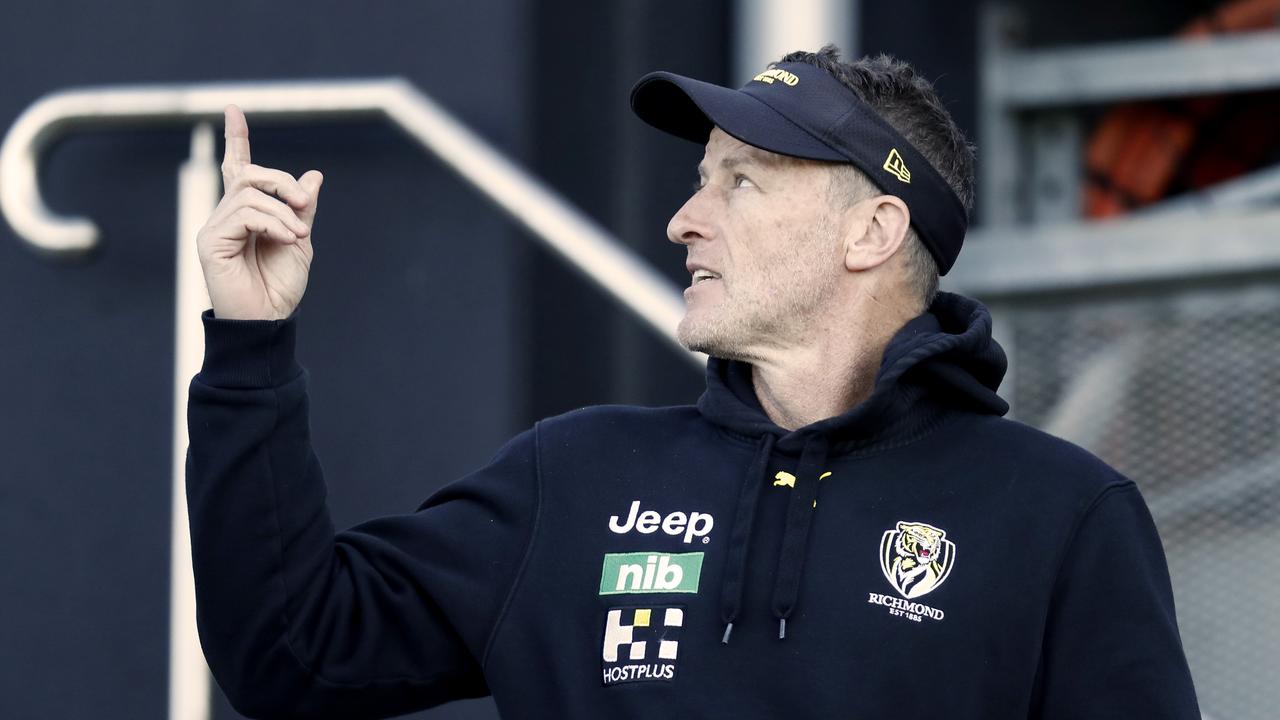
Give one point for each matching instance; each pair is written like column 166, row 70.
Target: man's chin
column 709, row 338
column 691, row 334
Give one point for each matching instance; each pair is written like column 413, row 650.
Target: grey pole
column 766, row 30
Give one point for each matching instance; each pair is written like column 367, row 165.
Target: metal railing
column 549, row 218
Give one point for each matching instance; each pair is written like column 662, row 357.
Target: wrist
column 248, row 353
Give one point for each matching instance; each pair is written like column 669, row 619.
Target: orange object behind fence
column 1142, row 152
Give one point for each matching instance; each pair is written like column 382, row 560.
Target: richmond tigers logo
column 916, row 558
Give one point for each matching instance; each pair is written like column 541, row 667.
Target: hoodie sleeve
column 390, row 616
column 1111, row 646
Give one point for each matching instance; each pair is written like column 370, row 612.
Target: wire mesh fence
column 1180, row 390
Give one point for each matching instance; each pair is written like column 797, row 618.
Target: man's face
column 764, row 249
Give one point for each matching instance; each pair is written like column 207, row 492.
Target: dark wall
column 408, row 329
column 628, row 176
column 433, row 330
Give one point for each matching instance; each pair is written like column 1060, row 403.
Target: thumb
column 310, row 182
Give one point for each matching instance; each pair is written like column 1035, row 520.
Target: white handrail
column 551, row 219
column 548, row 217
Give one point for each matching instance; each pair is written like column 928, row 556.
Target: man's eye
column 742, row 181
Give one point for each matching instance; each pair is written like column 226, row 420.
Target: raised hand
column 256, row 247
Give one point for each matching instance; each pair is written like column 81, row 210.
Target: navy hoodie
column 917, row 556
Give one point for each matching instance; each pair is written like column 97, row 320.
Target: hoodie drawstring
column 795, row 536
column 740, row 536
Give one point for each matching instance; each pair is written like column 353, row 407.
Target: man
column 843, row 527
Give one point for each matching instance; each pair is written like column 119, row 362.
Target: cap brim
column 689, row 109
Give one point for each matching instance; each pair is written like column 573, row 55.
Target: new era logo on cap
column 800, row 110
column 896, row 166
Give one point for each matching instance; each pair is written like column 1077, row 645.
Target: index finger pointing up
column 237, row 137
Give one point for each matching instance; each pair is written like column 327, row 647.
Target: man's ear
column 879, row 228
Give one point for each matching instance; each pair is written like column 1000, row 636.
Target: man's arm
column 296, row 622
column 1111, row 646
column 391, row 616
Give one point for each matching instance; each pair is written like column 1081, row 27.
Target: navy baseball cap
column 800, row 110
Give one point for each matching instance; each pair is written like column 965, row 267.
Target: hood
column 945, row 358
column 941, row 361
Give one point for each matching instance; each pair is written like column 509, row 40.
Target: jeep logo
column 646, row 522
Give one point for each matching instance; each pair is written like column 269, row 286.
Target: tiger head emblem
column 916, row 558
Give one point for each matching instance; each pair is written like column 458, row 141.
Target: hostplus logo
column 641, row 643
column 646, row 522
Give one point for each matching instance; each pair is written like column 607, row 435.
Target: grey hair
column 909, row 103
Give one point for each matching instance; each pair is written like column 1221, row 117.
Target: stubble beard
column 780, row 310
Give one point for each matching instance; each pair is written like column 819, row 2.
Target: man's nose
column 690, row 223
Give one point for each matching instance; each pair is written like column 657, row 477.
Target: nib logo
column 650, row 573
column 691, row 525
